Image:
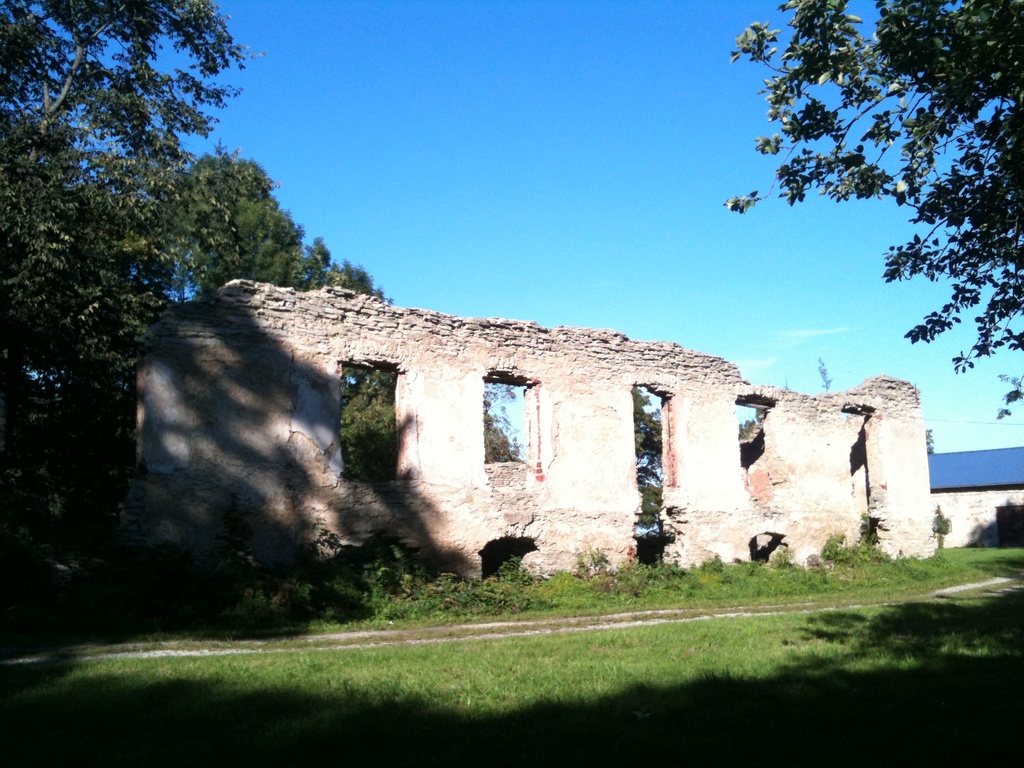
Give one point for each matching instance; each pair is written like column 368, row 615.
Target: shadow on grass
column 936, row 683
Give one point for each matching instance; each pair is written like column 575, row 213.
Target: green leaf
column 948, row 63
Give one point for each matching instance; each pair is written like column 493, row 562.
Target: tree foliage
column 500, row 440
column 224, row 223
column 104, row 216
column 647, row 439
column 748, row 429
column 368, row 429
column 91, row 120
column 924, row 110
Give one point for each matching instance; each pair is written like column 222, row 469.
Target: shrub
column 713, row 565
column 941, row 526
column 591, row 563
column 782, row 557
column 839, row 552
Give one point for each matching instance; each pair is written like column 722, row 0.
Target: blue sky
column 567, row 163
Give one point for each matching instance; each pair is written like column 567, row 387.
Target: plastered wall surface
column 972, row 514
column 239, row 402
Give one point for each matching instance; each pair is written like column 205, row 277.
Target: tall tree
column 224, row 222
column 91, row 120
column 925, row 111
column 647, row 440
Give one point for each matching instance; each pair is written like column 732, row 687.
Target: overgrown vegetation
column 129, row 593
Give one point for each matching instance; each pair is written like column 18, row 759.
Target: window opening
column 504, row 418
column 750, row 417
column 369, row 430
column 859, row 472
column 649, row 439
column 764, row 544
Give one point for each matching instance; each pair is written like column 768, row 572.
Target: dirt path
column 356, row 640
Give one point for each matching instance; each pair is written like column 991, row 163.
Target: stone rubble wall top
column 356, row 325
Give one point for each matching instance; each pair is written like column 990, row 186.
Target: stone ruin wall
column 239, row 403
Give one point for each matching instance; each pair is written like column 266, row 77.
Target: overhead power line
column 982, row 423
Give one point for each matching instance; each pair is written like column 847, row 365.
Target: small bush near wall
column 941, row 527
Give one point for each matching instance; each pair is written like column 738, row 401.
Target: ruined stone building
column 239, row 401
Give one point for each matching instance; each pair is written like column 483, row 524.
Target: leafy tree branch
column 942, row 83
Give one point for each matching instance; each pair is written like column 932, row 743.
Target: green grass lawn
column 935, row 682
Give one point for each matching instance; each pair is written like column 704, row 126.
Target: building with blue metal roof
column 997, row 468
column 981, row 493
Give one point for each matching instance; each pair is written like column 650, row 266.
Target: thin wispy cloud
column 803, row 334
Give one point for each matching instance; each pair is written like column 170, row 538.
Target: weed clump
column 782, row 558
column 838, row 552
column 941, row 527
column 417, row 595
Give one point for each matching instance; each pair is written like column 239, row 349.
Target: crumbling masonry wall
column 239, row 402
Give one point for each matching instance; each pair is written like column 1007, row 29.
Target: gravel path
column 348, row 641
